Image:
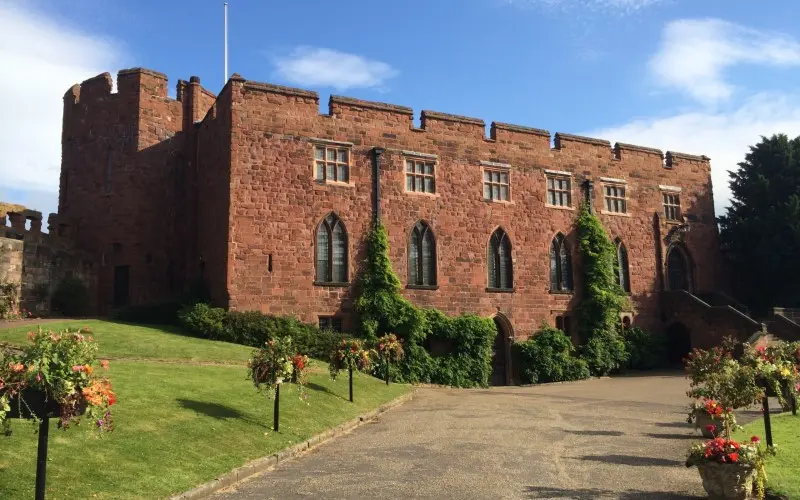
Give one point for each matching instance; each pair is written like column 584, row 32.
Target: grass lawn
column 783, row 474
column 178, row 424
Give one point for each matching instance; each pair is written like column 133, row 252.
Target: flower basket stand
column 727, row 481
column 36, row 405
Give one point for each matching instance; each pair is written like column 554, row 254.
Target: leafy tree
column 760, row 232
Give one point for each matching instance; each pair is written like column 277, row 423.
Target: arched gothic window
column 422, row 256
column 331, row 251
column 621, row 267
column 560, row 265
column 501, row 274
column 679, row 275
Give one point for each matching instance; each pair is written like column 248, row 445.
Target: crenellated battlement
column 345, row 107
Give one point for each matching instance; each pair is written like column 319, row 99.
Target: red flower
column 755, row 439
column 711, row 428
column 734, row 457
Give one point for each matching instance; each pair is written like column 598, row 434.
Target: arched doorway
column 679, row 343
column 679, row 271
column 500, row 351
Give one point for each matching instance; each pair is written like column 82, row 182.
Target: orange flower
column 88, row 369
column 104, row 364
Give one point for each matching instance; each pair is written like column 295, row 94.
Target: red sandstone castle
column 268, row 202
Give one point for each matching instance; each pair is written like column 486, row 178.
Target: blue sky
column 705, row 77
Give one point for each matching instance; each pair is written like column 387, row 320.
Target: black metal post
column 277, row 411
column 767, row 423
column 351, row 384
column 388, row 366
column 793, row 402
column 41, row 458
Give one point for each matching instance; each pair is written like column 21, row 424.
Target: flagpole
column 226, row 43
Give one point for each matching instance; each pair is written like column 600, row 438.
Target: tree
column 760, row 232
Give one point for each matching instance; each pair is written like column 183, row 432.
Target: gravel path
column 624, row 437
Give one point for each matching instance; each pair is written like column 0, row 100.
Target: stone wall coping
column 642, row 149
column 319, row 140
column 131, row 71
column 613, row 180
column 560, row 136
column 435, row 115
column 522, row 129
column 278, row 89
column 379, row 106
column 663, row 187
column 684, row 156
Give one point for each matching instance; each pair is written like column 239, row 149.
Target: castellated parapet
column 222, row 190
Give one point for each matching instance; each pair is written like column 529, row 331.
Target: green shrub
column 548, row 357
column 70, row 298
column 603, row 299
column 202, row 320
column 469, row 362
column 160, row 313
column 645, row 350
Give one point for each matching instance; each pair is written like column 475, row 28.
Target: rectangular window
column 420, row 176
column 559, row 191
column 330, row 323
column 332, row 163
column 495, row 185
column 672, row 206
column 615, row 198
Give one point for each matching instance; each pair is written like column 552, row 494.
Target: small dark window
column 560, row 265
column 269, row 263
column 422, row 256
column 621, row 267
column 563, row 323
column 330, row 323
column 501, row 274
column 331, row 251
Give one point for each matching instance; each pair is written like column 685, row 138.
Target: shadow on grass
column 631, row 460
column 595, row 433
column 218, row 411
column 592, row 493
column 316, row 387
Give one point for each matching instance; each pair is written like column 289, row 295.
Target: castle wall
column 276, row 206
column 123, row 182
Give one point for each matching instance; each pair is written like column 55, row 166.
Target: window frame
column 500, row 170
column 332, row 320
column 615, row 184
column 621, row 271
column 420, row 271
column 676, row 207
column 330, row 228
column 555, row 175
column 559, row 242
column 494, row 254
column 337, row 147
column 424, row 160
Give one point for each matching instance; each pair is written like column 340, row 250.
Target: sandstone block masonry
column 225, row 190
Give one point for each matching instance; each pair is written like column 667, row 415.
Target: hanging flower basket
column 36, row 404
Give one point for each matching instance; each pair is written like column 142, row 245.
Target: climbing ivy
column 602, row 300
column 382, row 309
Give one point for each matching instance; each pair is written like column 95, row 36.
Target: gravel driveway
column 624, row 437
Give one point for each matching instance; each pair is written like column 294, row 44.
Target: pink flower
column 711, row 428
column 38, row 377
column 78, row 368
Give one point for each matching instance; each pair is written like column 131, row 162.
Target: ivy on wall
column 603, row 299
column 467, row 357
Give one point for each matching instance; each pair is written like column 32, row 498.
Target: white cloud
column 722, row 136
column 40, row 59
column 695, row 53
column 321, row 67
